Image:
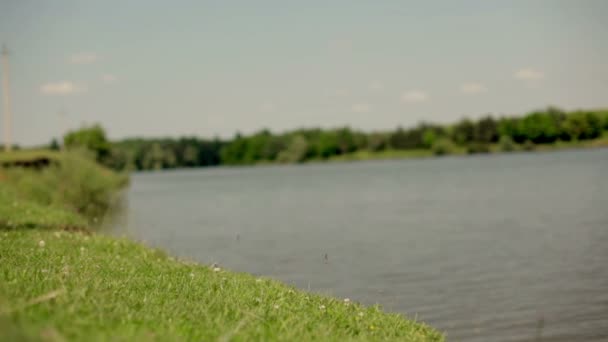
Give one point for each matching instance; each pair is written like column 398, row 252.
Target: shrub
column 478, row 148
column 528, row 145
column 506, row 144
column 74, row 184
column 442, row 146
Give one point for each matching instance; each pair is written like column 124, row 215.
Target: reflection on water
column 492, row 248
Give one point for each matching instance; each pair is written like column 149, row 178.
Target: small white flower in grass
column 276, row 306
column 216, row 269
column 347, row 300
column 321, row 307
column 361, row 314
column 191, row 275
column 41, row 243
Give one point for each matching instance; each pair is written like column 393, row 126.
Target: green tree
column 92, row 138
column 464, row 132
column 296, row 151
column 54, row 145
column 327, row 144
column 583, row 125
column 154, row 157
column 429, row 137
column 486, row 130
column 540, row 127
column 377, row 141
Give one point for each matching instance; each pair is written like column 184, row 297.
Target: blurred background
column 501, row 239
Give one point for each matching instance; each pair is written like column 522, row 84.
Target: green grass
column 58, row 285
column 386, row 154
column 29, row 154
column 82, row 287
column 563, row 145
column 19, row 214
column 459, row 150
column 72, row 184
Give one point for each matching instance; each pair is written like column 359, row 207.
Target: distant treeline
column 473, row 136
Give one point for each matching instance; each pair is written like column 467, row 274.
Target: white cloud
column 473, row 88
column 61, row 88
column 338, row 92
column 109, row 78
column 83, row 58
column 376, row 86
column 414, row 96
column 360, row 107
column 528, row 74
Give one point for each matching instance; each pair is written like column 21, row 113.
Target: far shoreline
column 397, row 155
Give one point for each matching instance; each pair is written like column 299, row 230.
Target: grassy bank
column 71, row 191
column 61, row 281
column 79, row 286
column 362, row 155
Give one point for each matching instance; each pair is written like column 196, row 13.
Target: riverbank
column 59, row 279
column 548, row 128
column 461, row 151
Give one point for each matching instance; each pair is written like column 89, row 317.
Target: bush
column 506, row 144
column 74, row 184
column 442, row 147
column 478, row 148
column 528, row 145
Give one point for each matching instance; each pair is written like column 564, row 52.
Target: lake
column 485, row 248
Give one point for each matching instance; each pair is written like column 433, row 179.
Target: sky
column 212, row 68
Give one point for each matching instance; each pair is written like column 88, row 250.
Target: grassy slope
column 100, row 287
column 57, row 285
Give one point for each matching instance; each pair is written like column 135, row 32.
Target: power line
column 8, row 134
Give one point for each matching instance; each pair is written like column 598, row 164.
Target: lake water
column 487, row 248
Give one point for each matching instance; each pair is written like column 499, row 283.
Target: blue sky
column 206, row 68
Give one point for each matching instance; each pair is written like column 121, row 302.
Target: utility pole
column 6, row 99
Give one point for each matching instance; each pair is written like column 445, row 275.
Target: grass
column 21, row 214
column 459, row 150
column 29, row 154
column 386, row 154
column 562, row 145
column 73, row 184
column 81, row 287
column 58, row 285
